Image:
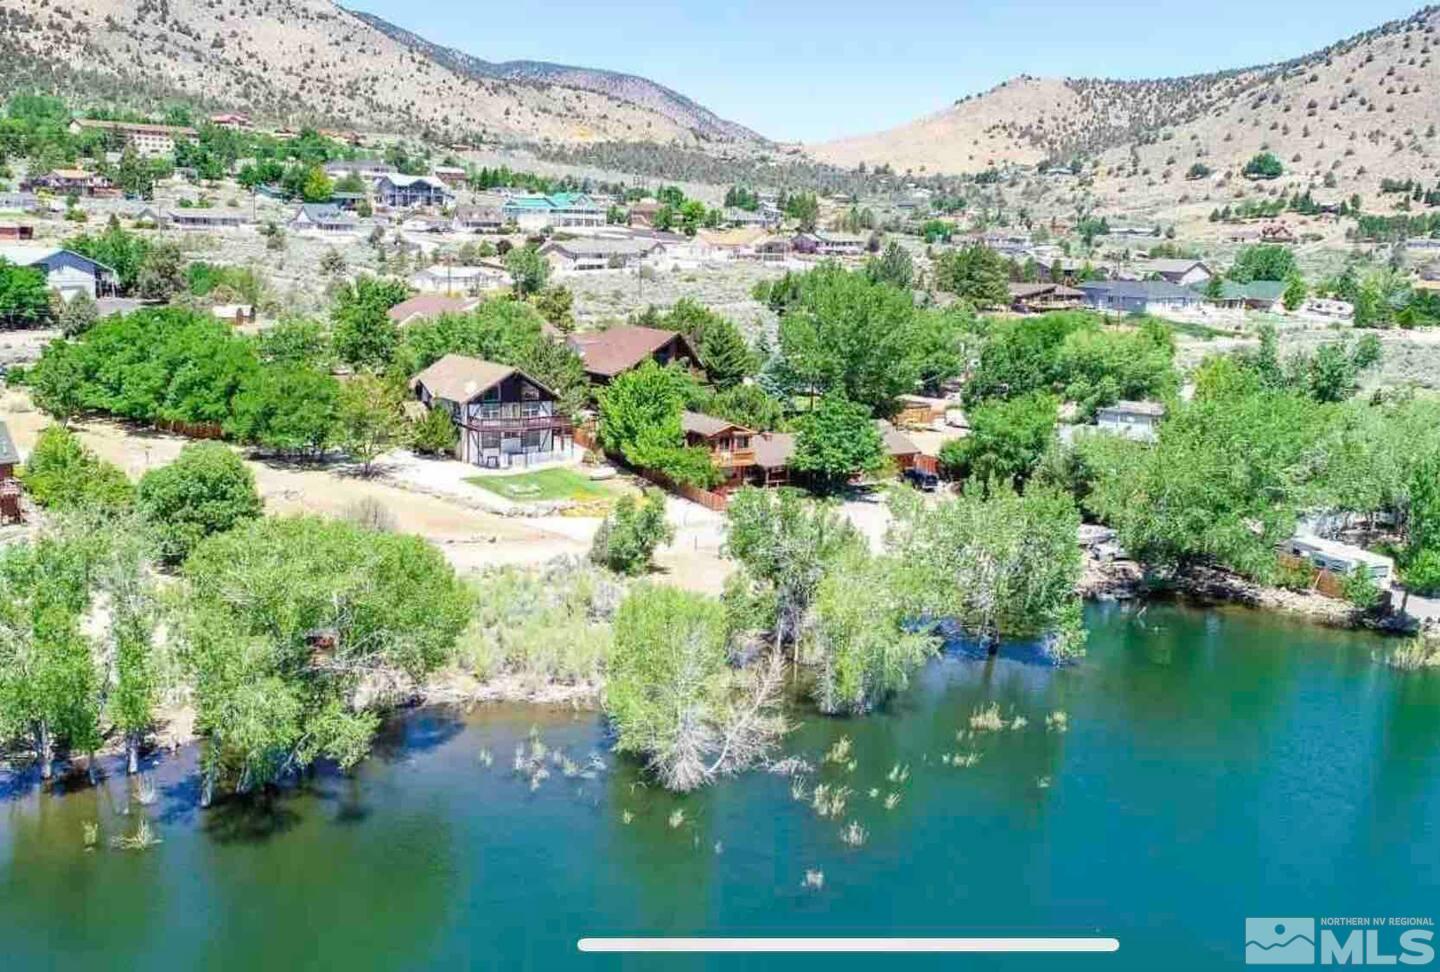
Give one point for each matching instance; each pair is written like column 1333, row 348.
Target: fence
column 711, row 501
column 191, row 430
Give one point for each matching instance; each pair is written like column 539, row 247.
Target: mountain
column 623, row 87
column 313, row 62
column 1362, row 103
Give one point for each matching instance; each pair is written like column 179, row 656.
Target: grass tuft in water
column 1057, row 721
column 143, row 839
column 853, row 834
column 814, row 880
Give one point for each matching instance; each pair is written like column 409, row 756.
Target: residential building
column 611, row 352
column 71, row 182
column 147, row 140
column 452, row 175
column 642, row 213
column 1339, row 558
column 1186, row 273
column 456, row 279
column 348, row 201
column 773, row 451
column 737, row 218
column 559, row 211
column 371, row 170
column 827, row 244
column 19, row 202
column 478, row 219
column 1261, row 295
column 425, row 306
column 728, row 444
column 1036, row 298
column 1138, row 296
column 403, row 191
column 237, row 122
column 323, row 218
column 16, row 232
column 581, row 255
column 65, row 271
column 504, row 416
column 1134, row 420
column 9, row 455
column 205, row 219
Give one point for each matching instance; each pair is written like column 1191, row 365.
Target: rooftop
column 458, row 378
column 621, row 348
column 428, row 305
column 707, row 426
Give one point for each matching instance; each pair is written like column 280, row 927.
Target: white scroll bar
column 849, row 944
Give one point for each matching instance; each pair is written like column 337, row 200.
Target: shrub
column 435, row 434
column 64, row 475
column 207, row 490
column 627, row 539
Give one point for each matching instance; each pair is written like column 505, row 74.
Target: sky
column 801, row 70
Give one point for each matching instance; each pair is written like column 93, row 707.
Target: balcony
column 534, row 423
column 733, row 458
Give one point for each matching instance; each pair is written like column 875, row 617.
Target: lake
column 1213, row 765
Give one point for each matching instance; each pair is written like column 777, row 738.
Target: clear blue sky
column 810, row 70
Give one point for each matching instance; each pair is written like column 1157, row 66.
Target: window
column 489, row 440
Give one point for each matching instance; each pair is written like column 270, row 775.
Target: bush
column 64, row 475
column 436, row 434
column 627, row 539
column 207, row 490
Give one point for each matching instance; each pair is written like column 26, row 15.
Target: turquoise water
column 1216, row 765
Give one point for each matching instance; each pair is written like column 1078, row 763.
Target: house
column 71, row 182
column 451, row 175
column 617, row 350
column 1261, row 295
column 18, row 202
column 403, row 191
column 9, row 455
column 643, row 213
column 235, row 122
column 580, row 255
column 65, row 271
column 1133, row 420
column 425, row 224
column 458, row 279
column 1138, row 296
column 826, row 244
column 503, row 415
column 348, row 201
column 148, row 140
column 371, row 170
column 921, row 411
column 773, row 451
column 205, row 219
column 1338, row 558
column 478, row 219
column 1034, row 298
column 323, row 218
column 1186, row 273
column 727, row 443
column 559, row 210
column 424, row 306
column 737, row 218
column 16, row 232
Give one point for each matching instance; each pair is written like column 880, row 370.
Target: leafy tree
column 747, row 405
column 436, row 434
column 364, row 335
column 861, row 639
column 847, row 335
column 557, row 305
column 1263, row 166
column 640, row 419
column 295, row 342
column 24, row 301
column 1295, row 292
column 119, row 249
column 57, row 382
column 284, row 618
column 370, row 417
column 942, row 345
column 894, row 266
column 50, row 689
column 61, row 474
column 287, row 407
column 804, row 208
column 724, row 354
column 529, row 271
column 1198, row 170
column 208, row 489
column 626, row 541
column 162, row 273
column 76, row 315
column 1263, row 261
column 837, row 441
column 1007, row 439
column 673, row 697
column 975, row 273
column 125, row 573
column 317, row 187
column 999, row 564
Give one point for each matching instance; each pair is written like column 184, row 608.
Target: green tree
column 640, row 419
column 287, row 407
column 162, row 273
column 284, row 618
column 557, row 305
column 1007, row 438
column 626, row 541
column 893, row 266
column 1263, row 261
column 57, row 382
column 24, row 301
column 1263, row 166
column 61, row 474
column 370, row 418
column 837, row 441
column 436, row 434
column 76, row 315
column 804, row 208
column 364, row 335
column 1295, row 292
column 208, row 489
column 673, row 697
column 975, row 273
column 529, row 270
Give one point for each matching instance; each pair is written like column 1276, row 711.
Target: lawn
column 544, row 485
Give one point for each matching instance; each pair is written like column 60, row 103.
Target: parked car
column 926, row 482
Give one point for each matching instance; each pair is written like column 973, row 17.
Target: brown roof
column 897, row 443
column 773, row 449
column 458, row 378
column 708, row 426
column 1020, row 291
column 619, row 349
column 429, row 305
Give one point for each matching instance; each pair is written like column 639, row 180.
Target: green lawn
column 543, row 485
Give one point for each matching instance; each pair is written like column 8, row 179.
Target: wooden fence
column 191, row 430
column 711, row 501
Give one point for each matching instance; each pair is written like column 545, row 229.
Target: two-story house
column 504, row 416
column 728, row 444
